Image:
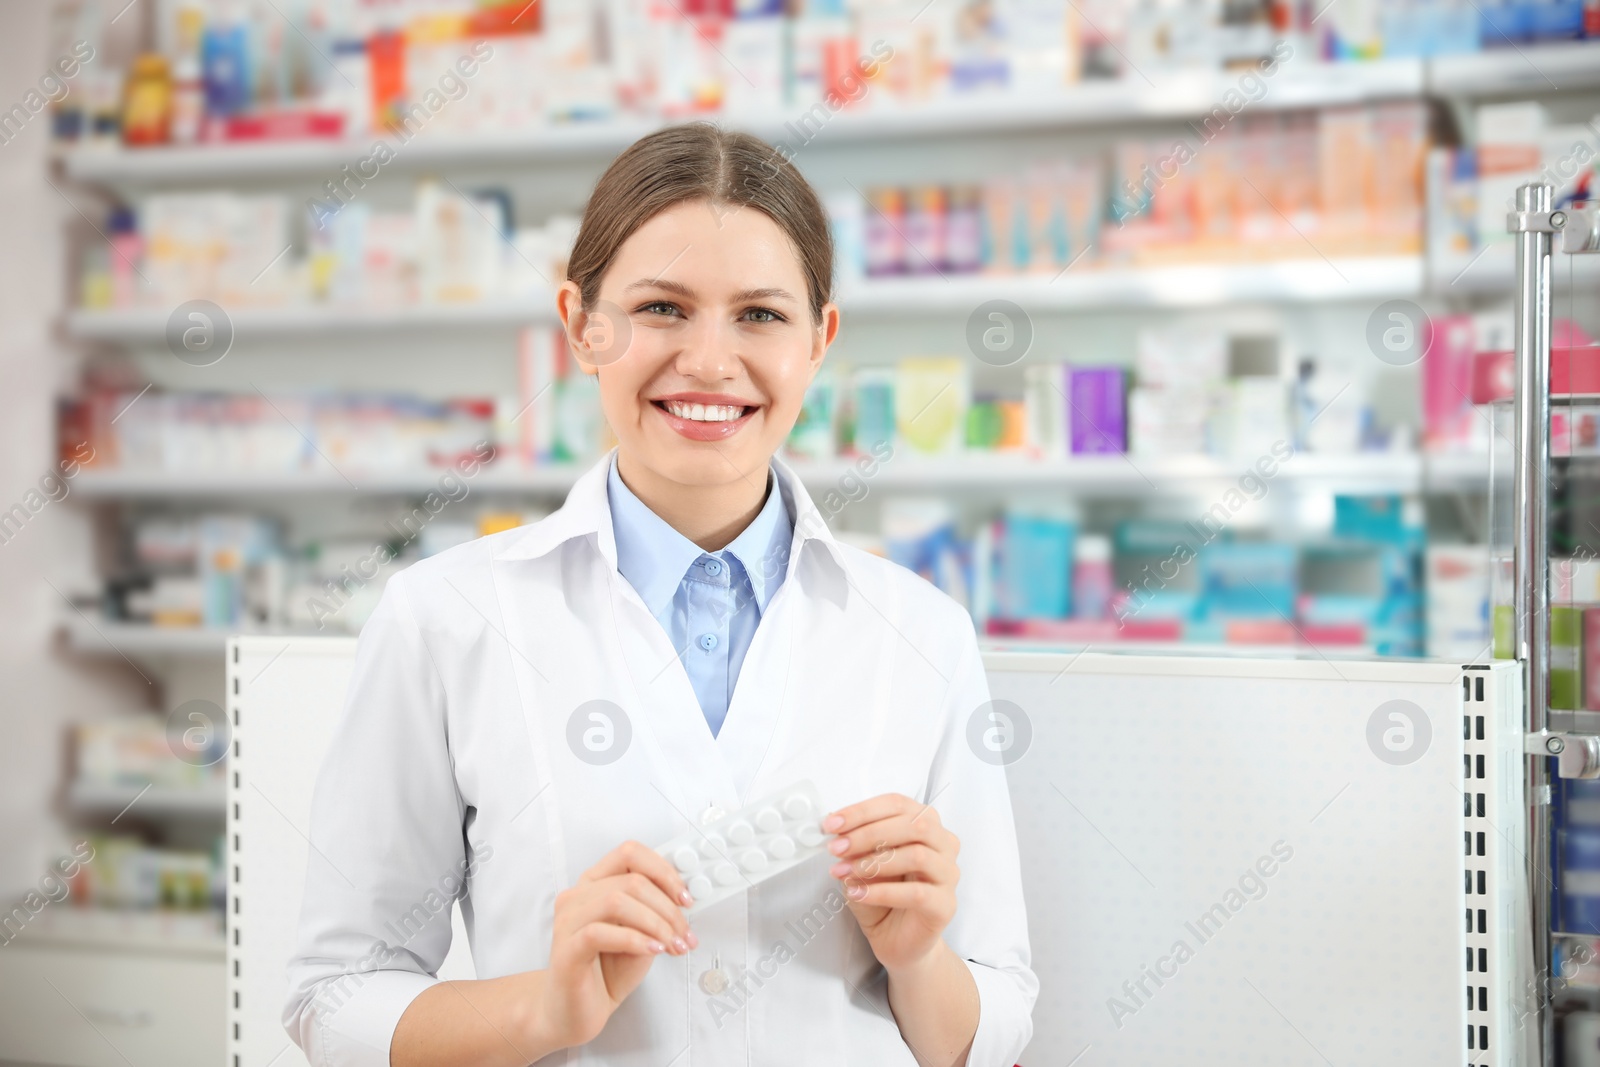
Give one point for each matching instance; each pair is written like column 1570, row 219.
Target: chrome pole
column 1530, row 555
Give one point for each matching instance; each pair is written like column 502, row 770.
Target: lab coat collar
column 587, row 512
column 651, row 554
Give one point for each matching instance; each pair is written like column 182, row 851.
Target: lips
column 704, row 416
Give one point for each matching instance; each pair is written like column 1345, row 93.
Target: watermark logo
column 1398, row 732
column 999, row 333
column 1399, row 332
column 605, row 333
column 198, row 733
column 598, row 732
column 199, row 333
column 999, row 732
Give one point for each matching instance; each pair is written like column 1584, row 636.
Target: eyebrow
column 741, row 297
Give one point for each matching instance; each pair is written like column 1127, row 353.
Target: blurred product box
column 1456, row 580
column 134, row 751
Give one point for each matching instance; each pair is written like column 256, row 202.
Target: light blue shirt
column 709, row 603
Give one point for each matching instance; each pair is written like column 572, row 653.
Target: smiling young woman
column 690, row 589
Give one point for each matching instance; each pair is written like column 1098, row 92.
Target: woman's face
column 703, row 341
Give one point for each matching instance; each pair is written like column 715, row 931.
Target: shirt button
column 713, row 981
column 713, row 567
column 708, row 641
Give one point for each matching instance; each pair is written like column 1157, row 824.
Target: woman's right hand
column 609, row 927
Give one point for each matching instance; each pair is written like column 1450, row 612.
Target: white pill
column 725, row 874
column 753, row 860
column 780, row 847
column 712, row 846
column 700, row 886
column 741, row 833
column 684, row 859
column 797, row 807
column 810, row 835
column 769, row 820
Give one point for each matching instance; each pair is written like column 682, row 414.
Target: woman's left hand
column 898, row 865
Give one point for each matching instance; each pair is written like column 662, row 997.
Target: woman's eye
column 763, row 315
column 659, row 307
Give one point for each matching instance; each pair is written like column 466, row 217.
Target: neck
column 709, row 515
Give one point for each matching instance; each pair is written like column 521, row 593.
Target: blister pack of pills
column 744, row 848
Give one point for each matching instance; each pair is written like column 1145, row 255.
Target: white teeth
column 704, row 412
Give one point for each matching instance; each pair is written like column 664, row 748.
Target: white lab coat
column 451, row 774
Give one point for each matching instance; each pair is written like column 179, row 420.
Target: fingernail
column 832, row 823
column 680, row 944
column 855, row 892
column 839, row 870
column 656, row 946
column 684, row 898
column 840, row 847
column 694, row 942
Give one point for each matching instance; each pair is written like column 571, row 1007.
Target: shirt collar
column 650, row 553
column 654, row 557
column 763, row 547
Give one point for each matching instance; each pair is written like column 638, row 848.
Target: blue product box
column 1582, row 802
column 1582, row 914
column 1580, row 849
column 1452, row 29
column 1554, row 20
column 1505, row 23
column 1035, row 567
column 1373, row 518
column 1249, row 580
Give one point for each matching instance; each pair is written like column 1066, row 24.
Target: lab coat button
column 713, row 981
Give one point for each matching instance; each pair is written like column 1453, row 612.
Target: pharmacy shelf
column 134, row 325
column 1536, row 69
column 95, row 798
column 1305, row 280
column 186, row 933
column 1112, row 475
column 1493, row 271
column 138, row 641
column 1199, row 285
column 214, row 641
column 1160, row 97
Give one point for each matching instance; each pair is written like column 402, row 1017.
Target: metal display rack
column 1535, row 224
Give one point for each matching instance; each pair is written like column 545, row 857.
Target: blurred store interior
column 1165, row 325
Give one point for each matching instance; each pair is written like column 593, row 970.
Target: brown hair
column 699, row 161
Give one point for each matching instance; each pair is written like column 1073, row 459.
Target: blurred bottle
column 1092, row 581
column 147, row 102
column 225, row 63
column 127, row 248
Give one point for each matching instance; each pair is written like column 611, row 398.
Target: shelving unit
column 1162, row 97
column 1165, row 97
column 95, row 798
column 1187, row 286
column 1546, row 68
column 1111, row 475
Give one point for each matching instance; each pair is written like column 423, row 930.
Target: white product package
column 744, row 848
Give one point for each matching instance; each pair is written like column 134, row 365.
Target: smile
column 704, row 412
column 701, row 421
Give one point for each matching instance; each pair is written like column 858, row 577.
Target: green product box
column 1566, row 657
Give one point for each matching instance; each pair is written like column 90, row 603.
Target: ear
column 823, row 336
column 569, row 307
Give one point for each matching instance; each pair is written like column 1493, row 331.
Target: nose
column 710, row 350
